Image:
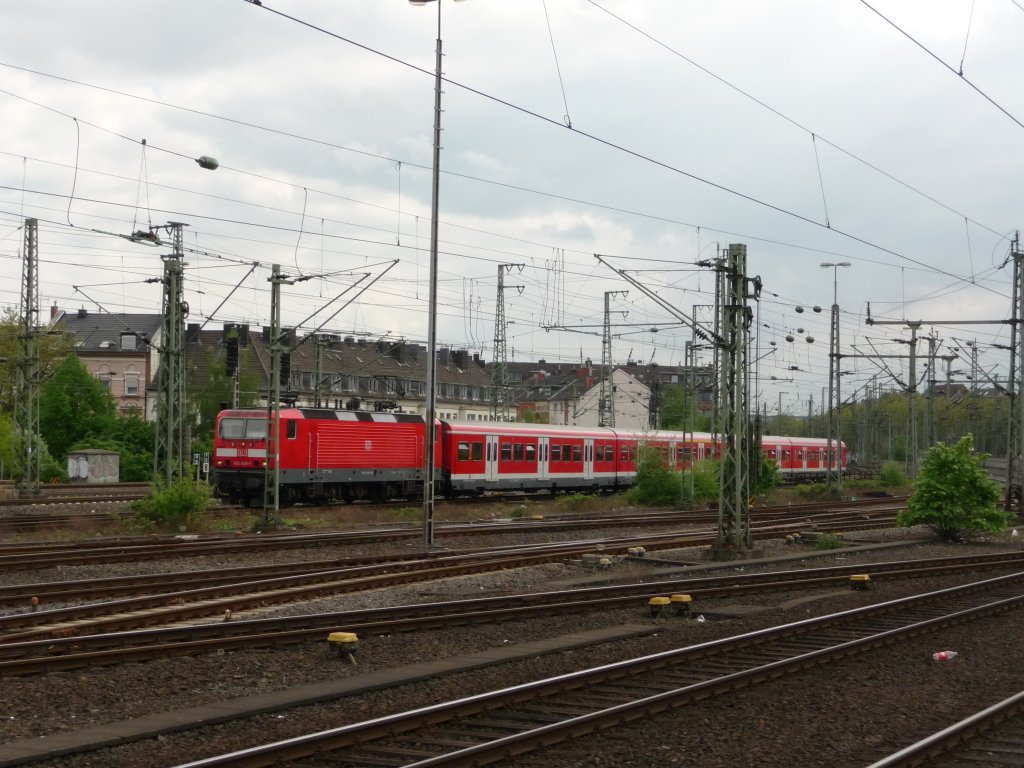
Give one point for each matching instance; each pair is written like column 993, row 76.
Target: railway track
column 994, row 735
column 776, row 523
column 517, row 720
column 296, row 582
column 53, row 513
column 41, row 650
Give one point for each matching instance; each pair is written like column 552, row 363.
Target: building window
column 104, row 380
column 131, row 385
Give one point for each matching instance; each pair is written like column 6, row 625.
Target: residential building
column 118, row 349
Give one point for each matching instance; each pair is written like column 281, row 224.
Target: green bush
column 816, row 491
column 768, row 477
column 182, row 503
column 704, row 478
column 656, row 484
column 892, row 475
column 953, row 495
column 575, row 502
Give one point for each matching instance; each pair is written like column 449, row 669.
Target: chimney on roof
column 83, row 313
column 54, row 311
column 243, row 335
column 191, row 332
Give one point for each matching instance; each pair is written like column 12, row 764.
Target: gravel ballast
column 847, row 714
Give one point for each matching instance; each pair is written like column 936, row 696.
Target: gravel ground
column 848, row 714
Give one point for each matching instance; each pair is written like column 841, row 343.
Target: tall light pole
column 431, row 394
column 834, row 401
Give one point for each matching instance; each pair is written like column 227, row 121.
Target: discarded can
column 944, row 656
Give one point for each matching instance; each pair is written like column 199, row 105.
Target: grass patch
column 830, row 541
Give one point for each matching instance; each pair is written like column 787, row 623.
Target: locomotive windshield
column 243, row 429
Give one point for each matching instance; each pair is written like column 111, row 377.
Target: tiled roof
column 102, row 331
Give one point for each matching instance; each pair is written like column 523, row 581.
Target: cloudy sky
column 654, row 132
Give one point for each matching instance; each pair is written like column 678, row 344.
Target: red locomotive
column 355, row 455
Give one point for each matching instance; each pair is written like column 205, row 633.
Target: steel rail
column 959, row 734
column 629, row 690
column 33, row 656
column 23, row 558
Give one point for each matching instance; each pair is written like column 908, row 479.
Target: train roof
column 513, row 428
column 326, row 414
column 517, row 428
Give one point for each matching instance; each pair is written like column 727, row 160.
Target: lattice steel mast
column 27, row 401
column 501, row 399
column 170, row 448
column 606, row 397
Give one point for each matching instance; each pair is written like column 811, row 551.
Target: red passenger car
column 493, row 456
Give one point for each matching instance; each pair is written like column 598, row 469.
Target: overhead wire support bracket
column 706, row 334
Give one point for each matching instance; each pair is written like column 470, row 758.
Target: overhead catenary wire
column 746, row 236
column 967, row 37
column 558, row 68
column 300, row 233
column 610, row 144
column 920, row 45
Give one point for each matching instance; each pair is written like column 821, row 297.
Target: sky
column 887, row 134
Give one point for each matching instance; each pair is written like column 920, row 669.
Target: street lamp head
column 824, row 263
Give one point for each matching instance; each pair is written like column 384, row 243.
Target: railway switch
column 657, row 605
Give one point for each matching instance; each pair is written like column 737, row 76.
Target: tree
column 953, row 495
column 133, row 439
column 53, row 346
column 74, row 405
column 212, row 388
column 675, row 407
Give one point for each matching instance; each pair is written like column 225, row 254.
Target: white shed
column 93, row 465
